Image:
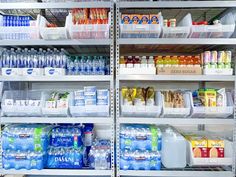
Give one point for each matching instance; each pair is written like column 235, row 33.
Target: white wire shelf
column 58, row 5
column 41, row 42
column 68, row 78
column 177, row 121
column 54, row 120
column 176, row 78
column 177, row 41
column 176, row 4
column 180, row 173
column 61, row 172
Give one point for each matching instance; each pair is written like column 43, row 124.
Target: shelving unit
column 151, row 46
column 83, row 46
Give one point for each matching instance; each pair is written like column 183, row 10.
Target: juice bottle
column 160, row 61
column 182, row 61
column 137, row 62
column 122, row 62
column 168, row 61
column 175, row 61
column 129, row 63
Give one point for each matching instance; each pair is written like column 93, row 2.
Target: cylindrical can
column 173, row 22
column 227, row 65
column 228, row 57
column 220, row 57
column 220, row 65
column 213, row 65
column 165, row 23
column 214, row 57
column 207, row 57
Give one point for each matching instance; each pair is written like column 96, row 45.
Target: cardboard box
column 199, row 146
column 179, row 70
column 216, row 148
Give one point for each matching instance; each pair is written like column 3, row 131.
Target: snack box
column 125, row 19
column 154, row 18
column 144, row 19
column 215, row 147
column 209, row 97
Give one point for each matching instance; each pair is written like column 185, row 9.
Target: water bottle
column 41, row 59
column 5, row 58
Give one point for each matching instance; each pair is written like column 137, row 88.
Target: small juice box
column 216, row 147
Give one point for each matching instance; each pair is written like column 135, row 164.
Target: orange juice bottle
column 160, row 61
column 168, row 61
column 182, row 61
column 175, row 61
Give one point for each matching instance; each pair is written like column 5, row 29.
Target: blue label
column 51, row 71
column 29, row 71
column 8, row 71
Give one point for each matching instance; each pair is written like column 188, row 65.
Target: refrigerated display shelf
column 61, row 172
column 175, row 78
column 178, row 41
column 58, row 5
column 82, row 42
column 54, row 120
column 176, row 4
column 187, row 172
column 177, row 121
column 68, row 78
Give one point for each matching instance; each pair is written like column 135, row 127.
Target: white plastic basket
column 142, row 111
column 218, row 71
column 21, row 110
column 140, row 30
column 88, row 110
column 90, row 31
column 227, row 160
column 52, row 112
column 20, row 32
column 176, row 112
column 180, row 31
column 213, row 112
column 57, row 33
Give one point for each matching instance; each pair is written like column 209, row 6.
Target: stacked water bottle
column 88, row 65
column 66, row 147
column 32, row 62
column 140, row 147
column 24, row 146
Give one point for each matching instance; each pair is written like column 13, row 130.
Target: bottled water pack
column 65, row 157
column 140, row 160
column 100, row 155
column 23, row 160
column 26, row 137
column 66, row 136
column 140, row 137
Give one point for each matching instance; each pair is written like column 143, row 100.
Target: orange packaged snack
column 135, row 18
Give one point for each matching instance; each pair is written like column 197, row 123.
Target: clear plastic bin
column 142, row 111
column 52, row 112
column 21, row 103
column 227, row 160
column 88, row 110
column 57, row 33
column 176, row 112
column 182, row 30
column 90, row 31
column 140, row 30
column 223, row 30
column 20, row 32
column 213, row 112
column 218, row 71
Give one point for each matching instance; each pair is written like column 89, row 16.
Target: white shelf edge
column 176, row 173
column 66, row 78
column 177, row 121
column 68, row 5
column 63, row 172
column 52, row 120
column 177, row 41
column 67, row 42
column 176, row 4
column 176, row 78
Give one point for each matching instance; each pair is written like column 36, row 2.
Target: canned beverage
column 207, row 57
column 227, row 65
column 165, row 23
column 228, row 57
column 173, row 22
column 220, row 57
column 220, row 66
column 214, row 57
column 213, row 65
